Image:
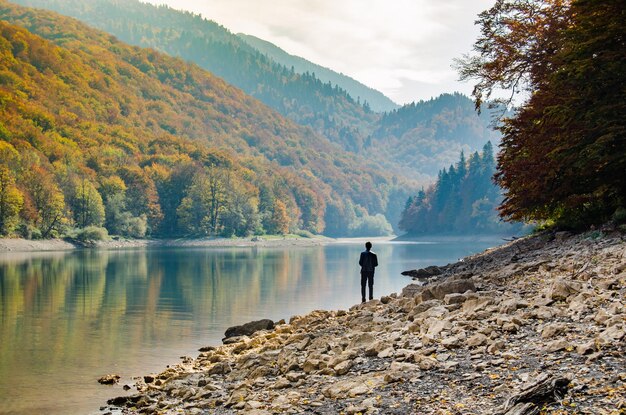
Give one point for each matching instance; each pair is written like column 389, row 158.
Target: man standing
column 368, row 263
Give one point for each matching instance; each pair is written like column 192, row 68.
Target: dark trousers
column 367, row 278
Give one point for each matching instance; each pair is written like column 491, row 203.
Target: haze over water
column 68, row 318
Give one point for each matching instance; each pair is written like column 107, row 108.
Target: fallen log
column 544, row 390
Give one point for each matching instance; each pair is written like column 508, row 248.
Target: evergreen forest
column 463, row 200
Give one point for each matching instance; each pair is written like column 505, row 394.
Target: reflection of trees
column 65, row 314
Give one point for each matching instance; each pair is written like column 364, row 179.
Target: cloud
column 404, row 48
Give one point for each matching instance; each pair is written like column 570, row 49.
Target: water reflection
column 67, row 318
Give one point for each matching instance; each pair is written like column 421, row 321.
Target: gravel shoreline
column 25, row 245
column 534, row 326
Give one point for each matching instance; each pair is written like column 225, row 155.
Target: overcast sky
column 403, row 48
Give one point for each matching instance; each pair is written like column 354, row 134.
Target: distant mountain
column 304, row 98
column 425, row 136
column 93, row 131
column 414, row 141
column 376, row 100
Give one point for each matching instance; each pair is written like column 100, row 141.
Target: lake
column 67, row 318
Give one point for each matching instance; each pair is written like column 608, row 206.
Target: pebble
column 468, row 340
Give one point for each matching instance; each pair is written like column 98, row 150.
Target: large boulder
column 423, row 272
column 249, row 328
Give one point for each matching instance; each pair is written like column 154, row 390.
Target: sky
column 403, row 48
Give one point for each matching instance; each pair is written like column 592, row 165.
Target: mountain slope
column 305, row 99
column 88, row 108
column 376, row 100
column 423, row 137
column 414, row 141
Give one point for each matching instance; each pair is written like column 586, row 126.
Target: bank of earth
column 26, row 245
column 535, row 326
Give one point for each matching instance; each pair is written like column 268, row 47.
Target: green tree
column 87, row 204
column 200, row 210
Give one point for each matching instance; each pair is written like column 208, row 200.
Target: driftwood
column 529, row 401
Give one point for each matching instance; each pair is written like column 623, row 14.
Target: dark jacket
column 368, row 261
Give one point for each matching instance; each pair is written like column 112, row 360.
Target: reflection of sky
column 67, row 319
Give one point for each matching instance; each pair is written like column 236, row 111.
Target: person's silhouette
column 368, row 263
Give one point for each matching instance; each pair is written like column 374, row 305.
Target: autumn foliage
column 563, row 156
column 94, row 132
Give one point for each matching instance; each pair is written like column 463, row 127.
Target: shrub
column 92, row 233
column 619, row 216
column 304, row 233
column 376, row 225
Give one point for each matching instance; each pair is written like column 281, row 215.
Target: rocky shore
column 535, row 326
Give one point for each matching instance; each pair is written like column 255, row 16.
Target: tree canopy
column 563, row 152
column 94, row 132
column 462, row 200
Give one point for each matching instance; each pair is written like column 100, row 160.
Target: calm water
column 68, row 318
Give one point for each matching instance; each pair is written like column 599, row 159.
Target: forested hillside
column 326, row 108
column 413, row 141
column 94, row 132
column 375, row 99
column 424, row 136
column 463, row 200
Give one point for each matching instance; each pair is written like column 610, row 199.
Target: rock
column 556, row 345
column 425, row 362
column 454, row 298
column 362, row 340
column 423, row 272
column 219, row 368
column 586, row 348
column 352, row 387
column 542, row 313
column 460, row 353
column 496, row 346
column 612, row 334
column 476, row 304
column 109, row 379
column 435, row 326
column 388, row 352
column 511, row 305
column 343, row 367
column 411, row 290
column 562, row 289
column 459, row 286
column 477, row 340
column 552, row 330
column 601, row 316
column 295, row 376
column 425, row 306
column 310, row 365
column 249, row 328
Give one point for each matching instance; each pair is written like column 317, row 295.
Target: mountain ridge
column 376, row 100
column 415, row 153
